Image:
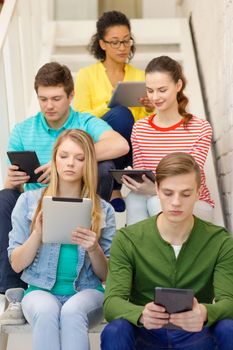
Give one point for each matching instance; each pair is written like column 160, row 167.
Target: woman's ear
column 102, row 44
column 179, row 85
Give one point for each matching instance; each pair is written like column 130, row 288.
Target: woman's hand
column 147, row 103
column 37, row 231
column 85, row 238
column 147, row 187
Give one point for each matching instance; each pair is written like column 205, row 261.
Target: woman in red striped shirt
column 171, row 129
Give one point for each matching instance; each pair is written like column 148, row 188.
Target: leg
column 153, row 205
column 204, row 211
column 105, row 179
column 8, row 277
column 79, row 313
column 42, row 310
column 118, row 335
column 136, row 208
column 121, row 120
column 223, row 334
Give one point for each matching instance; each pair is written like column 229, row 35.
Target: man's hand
column 191, row 321
column 154, row 316
column 147, row 187
column 15, row 178
column 46, row 171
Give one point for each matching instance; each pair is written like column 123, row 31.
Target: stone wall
column 213, row 30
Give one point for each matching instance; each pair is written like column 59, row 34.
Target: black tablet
column 174, row 300
column 27, row 162
column 135, row 174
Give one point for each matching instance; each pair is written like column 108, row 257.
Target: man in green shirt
column 173, row 250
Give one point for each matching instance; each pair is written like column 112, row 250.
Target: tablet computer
column 62, row 215
column 127, row 93
column 27, row 162
column 174, row 300
column 135, row 174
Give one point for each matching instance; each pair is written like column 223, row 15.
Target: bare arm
column 111, row 145
column 24, row 255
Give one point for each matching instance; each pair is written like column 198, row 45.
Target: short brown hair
column 54, row 74
column 177, row 163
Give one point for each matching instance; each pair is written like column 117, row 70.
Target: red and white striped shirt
column 151, row 143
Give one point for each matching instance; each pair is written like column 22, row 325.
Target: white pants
column 62, row 322
column 139, row 207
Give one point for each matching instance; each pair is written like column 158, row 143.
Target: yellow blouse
column 93, row 89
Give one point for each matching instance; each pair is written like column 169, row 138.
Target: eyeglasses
column 116, row 44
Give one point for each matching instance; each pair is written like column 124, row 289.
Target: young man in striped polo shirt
column 173, row 249
column 55, row 88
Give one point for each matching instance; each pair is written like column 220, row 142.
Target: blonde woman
column 65, row 294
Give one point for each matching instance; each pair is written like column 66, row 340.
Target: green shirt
column 141, row 260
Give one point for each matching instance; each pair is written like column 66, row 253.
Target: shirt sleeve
column 83, row 97
column 119, row 283
column 202, row 145
column 108, row 229
column 137, row 157
column 15, row 140
column 94, row 126
column 20, row 224
column 222, row 308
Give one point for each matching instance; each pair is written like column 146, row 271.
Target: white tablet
column 62, row 215
column 127, row 93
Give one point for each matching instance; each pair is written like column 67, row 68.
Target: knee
column 8, row 198
column 223, row 327
column 104, row 167
column 121, row 331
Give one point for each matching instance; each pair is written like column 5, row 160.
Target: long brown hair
column 173, row 68
column 90, row 175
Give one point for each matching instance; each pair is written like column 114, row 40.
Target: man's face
column 54, row 104
column 178, row 195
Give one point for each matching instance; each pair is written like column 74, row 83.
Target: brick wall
column 213, row 30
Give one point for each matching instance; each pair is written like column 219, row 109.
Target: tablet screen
column 128, row 93
column 61, row 216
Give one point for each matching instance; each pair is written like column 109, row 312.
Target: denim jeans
column 129, row 337
column 8, row 198
column 62, row 322
column 8, row 277
column 121, row 120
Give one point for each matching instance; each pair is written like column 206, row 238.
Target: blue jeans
column 8, row 277
column 122, row 335
column 62, row 322
column 121, row 120
column 8, row 198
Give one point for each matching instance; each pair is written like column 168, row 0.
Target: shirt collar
column 65, row 126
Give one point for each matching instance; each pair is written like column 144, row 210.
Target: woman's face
column 110, row 43
column 70, row 160
column 162, row 90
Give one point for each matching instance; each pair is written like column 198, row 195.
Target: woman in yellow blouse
column 112, row 46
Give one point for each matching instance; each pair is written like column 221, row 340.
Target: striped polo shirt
column 151, row 143
column 34, row 134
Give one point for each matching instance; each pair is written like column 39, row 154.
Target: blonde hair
column 177, row 163
column 90, row 175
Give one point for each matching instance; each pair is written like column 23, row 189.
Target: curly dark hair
column 172, row 67
column 108, row 19
column 54, row 74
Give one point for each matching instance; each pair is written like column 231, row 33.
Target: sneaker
column 13, row 313
column 118, row 204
